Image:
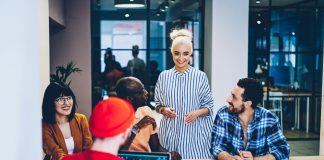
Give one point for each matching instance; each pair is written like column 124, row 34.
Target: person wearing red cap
column 144, row 136
column 110, row 124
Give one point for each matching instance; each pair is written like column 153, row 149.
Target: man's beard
column 139, row 103
column 231, row 109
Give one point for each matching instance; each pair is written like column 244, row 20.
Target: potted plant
column 62, row 73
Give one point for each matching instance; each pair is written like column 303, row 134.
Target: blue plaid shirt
column 263, row 135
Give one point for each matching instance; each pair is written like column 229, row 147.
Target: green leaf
column 62, row 73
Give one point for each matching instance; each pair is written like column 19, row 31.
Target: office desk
column 280, row 96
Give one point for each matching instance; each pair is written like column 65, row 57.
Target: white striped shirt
column 185, row 92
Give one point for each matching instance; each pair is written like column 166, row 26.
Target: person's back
column 136, row 66
column 92, row 155
column 110, row 124
column 113, row 71
column 154, row 73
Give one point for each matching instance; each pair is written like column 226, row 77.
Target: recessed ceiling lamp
column 129, row 3
column 257, row 1
column 166, row 4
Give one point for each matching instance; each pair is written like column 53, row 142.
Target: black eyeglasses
column 61, row 100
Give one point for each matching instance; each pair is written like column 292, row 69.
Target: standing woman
column 184, row 99
column 64, row 131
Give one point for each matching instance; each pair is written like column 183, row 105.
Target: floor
column 300, row 134
column 304, row 148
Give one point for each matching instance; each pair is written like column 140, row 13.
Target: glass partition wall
column 149, row 28
column 286, row 55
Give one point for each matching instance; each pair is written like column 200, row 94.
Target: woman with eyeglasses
column 64, row 131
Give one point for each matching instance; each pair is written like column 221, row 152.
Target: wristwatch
column 134, row 130
column 161, row 109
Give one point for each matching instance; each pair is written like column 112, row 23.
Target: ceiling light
column 126, row 15
column 258, row 1
column 162, row 9
column 166, row 4
column 129, row 3
column 293, row 33
column 258, row 22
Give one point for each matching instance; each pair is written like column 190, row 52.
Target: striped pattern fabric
column 185, row 92
column 264, row 135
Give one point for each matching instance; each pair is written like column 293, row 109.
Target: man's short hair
column 125, row 86
column 252, row 90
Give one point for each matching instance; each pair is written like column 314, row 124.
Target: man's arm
column 277, row 142
column 218, row 142
column 157, row 147
column 155, row 144
column 146, row 120
column 265, row 157
column 226, row 156
column 247, row 155
column 128, row 142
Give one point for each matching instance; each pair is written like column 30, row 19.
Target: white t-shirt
column 69, row 142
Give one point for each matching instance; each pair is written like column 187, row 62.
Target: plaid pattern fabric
column 264, row 135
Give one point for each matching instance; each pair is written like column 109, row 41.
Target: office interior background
column 279, row 42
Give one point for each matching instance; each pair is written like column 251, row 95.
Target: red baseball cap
column 111, row 117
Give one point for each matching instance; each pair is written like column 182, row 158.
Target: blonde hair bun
column 179, row 33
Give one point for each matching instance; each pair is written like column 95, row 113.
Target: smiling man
column 245, row 130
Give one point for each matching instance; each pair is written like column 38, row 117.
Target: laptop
column 130, row 155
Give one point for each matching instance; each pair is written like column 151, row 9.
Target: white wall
column 321, row 146
column 24, row 66
column 73, row 43
column 56, row 11
column 227, row 49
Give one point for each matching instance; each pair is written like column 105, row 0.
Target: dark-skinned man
column 144, row 135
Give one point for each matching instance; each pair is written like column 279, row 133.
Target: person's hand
column 237, row 157
column 247, row 155
column 191, row 116
column 145, row 121
column 175, row 155
column 168, row 112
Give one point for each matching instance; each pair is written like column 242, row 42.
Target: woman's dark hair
column 252, row 90
column 53, row 91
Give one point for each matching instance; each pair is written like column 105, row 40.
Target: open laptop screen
column 128, row 155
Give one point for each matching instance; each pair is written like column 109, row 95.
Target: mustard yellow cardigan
column 53, row 140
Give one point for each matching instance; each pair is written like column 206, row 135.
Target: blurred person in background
column 136, row 67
